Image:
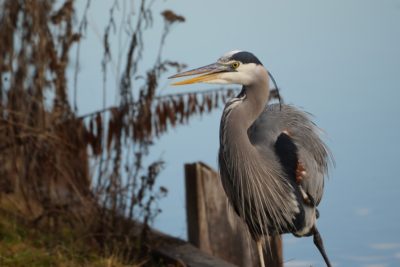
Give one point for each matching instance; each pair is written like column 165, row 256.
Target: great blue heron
column 272, row 161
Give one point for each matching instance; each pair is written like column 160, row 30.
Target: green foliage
column 23, row 245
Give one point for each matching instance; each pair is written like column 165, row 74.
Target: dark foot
column 319, row 244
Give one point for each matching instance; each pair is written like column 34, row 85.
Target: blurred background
column 339, row 60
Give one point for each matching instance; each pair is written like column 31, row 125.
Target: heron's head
column 235, row 67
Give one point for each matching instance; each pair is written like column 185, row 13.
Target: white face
column 245, row 74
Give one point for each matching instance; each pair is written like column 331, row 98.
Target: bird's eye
column 235, row 65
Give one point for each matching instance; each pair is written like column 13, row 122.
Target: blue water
column 339, row 60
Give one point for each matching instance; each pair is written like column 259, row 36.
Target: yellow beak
column 209, row 72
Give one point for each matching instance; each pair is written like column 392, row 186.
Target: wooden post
column 214, row 227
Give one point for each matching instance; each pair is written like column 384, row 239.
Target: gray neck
column 253, row 98
column 239, row 114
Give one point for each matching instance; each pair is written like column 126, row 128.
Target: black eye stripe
column 245, row 58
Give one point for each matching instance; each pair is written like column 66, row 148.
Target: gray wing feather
column 312, row 151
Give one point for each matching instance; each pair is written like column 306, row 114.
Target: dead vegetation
column 47, row 148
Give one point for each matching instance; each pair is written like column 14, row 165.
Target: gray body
column 253, row 177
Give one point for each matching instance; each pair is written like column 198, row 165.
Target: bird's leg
column 260, row 251
column 319, row 244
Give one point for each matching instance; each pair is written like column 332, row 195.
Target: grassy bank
column 24, row 245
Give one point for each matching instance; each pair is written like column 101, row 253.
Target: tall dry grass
column 46, row 148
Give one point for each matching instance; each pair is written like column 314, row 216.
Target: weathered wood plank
column 186, row 254
column 214, row 227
